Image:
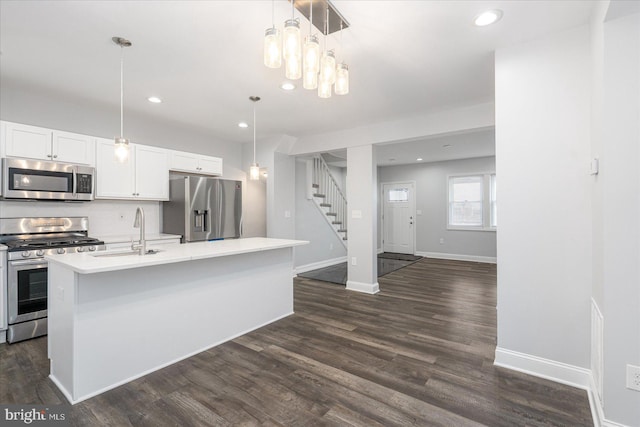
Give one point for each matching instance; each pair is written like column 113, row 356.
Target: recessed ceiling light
column 243, row 125
column 287, row 86
column 487, row 18
column 419, row 159
column 154, row 99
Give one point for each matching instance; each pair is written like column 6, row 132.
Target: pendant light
column 121, row 143
column 254, row 170
column 342, row 73
column 272, row 52
column 311, row 54
column 291, row 47
column 327, row 67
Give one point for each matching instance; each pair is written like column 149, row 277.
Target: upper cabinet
column 33, row 142
column 195, row 163
column 144, row 176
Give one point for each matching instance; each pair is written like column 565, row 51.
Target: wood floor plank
column 418, row 353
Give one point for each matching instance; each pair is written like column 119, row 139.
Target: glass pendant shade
column 254, row 172
column 291, row 44
column 272, row 53
column 328, row 67
column 342, row 79
column 293, row 68
column 310, row 79
column 311, row 54
column 324, row 89
column 122, row 149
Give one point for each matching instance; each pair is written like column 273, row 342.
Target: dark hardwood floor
column 418, row 353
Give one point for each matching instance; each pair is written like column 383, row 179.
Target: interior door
column 398, row 217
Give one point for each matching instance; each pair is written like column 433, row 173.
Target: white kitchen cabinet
column 32, row 142
column 152, row 173
column 144, row 176
column 195, row 163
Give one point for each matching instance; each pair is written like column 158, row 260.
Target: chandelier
column 318, row 68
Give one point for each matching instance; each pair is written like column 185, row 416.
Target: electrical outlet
column 633, row 377
column 354, row 261
column 442, row 240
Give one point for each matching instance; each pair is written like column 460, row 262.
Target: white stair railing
column 329, row 198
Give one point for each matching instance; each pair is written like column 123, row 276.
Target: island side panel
column 60, row 312
column 132, row 322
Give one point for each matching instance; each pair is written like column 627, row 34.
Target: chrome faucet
column 141, row 246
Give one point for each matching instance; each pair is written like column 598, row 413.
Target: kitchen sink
column 125, row 253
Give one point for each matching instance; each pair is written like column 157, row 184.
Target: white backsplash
column 106, row 217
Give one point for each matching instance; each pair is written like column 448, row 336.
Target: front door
column 398, row 217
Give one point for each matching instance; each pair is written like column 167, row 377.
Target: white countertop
column 88, row 263
column 126, row 238
column 3, row 248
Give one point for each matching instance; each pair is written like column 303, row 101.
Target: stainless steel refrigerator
column 202, row 208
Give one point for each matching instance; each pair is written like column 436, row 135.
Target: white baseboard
column 597, row 412
column 458, row 257
column 319, row 264
column 544, row 368
column 559, row 372
column 367, row 288
column 380, row 250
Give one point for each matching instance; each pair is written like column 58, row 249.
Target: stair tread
column 315, row 186
column 336, row 222
column 342, row 230
column 331, row 214
column 325, row 205
column 319, row 195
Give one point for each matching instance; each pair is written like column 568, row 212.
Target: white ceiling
column 204, row 58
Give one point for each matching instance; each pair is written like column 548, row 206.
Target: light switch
column 60, row 293
column 287, row 214
column 356, row 214
column 418, row 212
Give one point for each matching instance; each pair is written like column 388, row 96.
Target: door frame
column 381, row 207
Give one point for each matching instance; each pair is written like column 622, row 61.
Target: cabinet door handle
column 49, row 155
column 55, row 156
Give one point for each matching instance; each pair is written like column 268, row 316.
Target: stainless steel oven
column 40, row 180
column 27, row 298
column 28, row 240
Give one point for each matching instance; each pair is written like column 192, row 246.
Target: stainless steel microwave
column 41, row 180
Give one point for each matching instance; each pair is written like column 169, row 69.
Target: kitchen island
column 114, row 316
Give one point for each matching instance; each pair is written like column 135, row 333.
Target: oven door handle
column 28, row 262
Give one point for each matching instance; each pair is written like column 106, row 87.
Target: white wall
column 542, row 159
column 362, row 202
column 312, row 226
column 418, row 126
column 35, row 106
column 621, row 214
column 282, row 222
column 431, row 198
column 106, row 217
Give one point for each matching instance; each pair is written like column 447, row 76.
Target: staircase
column 328, row 197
